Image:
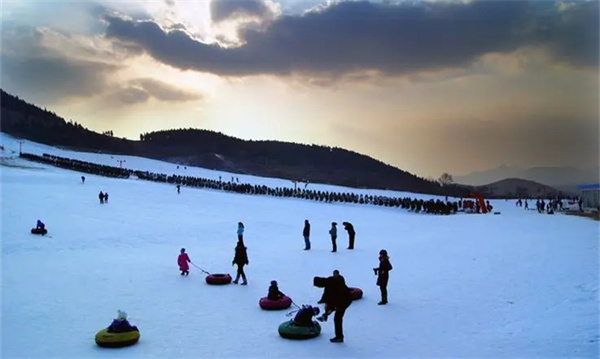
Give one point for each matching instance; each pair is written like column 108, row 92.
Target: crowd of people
column 543, row 206
column 336, row 294
column 77, row 165
column 412, row 204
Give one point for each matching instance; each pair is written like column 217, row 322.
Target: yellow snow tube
column 116, row 340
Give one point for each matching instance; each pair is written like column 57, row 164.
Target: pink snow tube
column 355, row 293
column 268, row 304
column 218, row 279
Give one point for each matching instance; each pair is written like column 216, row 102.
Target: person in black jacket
column 241, row 259
column 337, row 299
column 350, row 229
column 304, row 316
column 274, row 292
column 333, row 234
column 306, row 234
column 382, row 273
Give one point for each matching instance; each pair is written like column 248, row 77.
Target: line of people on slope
column 332, row 233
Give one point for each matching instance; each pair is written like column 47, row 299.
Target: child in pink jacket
column 182, row 261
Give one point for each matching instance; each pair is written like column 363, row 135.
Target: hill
column 217, row 151
column 516, row 187
column 563, row 178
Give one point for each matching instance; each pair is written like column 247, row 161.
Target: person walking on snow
column 101, row 197
column 306, row 234
column 333, row 234
column 240, row 231
column 182, row 260
column 241, row 259
column 382, row 273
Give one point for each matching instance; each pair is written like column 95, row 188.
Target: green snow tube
column 290, row 330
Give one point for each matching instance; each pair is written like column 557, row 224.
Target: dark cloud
column 223, row 9
column 45, row 75
column 141, row 90
column 572, row 34
column 393, row 39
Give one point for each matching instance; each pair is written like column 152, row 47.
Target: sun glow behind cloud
column 457, row 107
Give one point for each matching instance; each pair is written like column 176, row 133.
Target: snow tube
column 116, row 340
column 268, row 304
column 218, row 279
column 41, row 231
column 355, row 293
column 290, row 330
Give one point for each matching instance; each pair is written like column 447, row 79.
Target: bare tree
column 445, row 179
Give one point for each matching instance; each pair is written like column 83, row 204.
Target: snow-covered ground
column 515, row 285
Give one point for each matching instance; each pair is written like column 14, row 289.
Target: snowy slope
column 514, row 285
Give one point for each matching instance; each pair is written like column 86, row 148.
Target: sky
column 426, row 86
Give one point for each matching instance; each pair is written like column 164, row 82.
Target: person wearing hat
column 121, row 324
column 274, row 292
column 382, row 273
column 333, row 234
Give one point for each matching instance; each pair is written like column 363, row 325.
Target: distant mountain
column 565, row 178
column 217, row 151
column 517, row 188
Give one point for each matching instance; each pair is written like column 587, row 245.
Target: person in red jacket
column 183, row 261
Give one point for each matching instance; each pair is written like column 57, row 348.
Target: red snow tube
column 268, row 304
column 218, row 279
column 41, row 231
column 355, row 293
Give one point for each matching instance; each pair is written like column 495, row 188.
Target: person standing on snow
column 182, row 260
column 333, row 234
column 382, row 273
column 351, row 233
column 241, row 259
column 337, row 299
column 306, row 234
column 101, row 197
